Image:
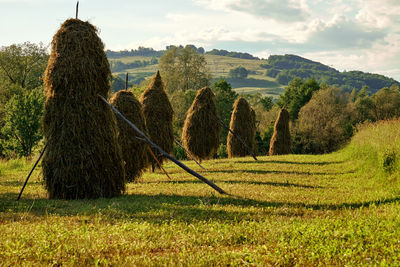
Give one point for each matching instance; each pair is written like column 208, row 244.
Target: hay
column 83, row 158
column 200, row 134
column 134, row 151
column 280, row 141
column 158, row 114
column 243, row 125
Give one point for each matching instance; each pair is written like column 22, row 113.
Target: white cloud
column 278, row 10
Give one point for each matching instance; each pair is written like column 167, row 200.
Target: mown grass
column 338, row 209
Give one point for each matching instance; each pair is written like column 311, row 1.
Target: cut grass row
column 338, row 209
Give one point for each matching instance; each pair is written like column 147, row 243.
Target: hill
column 340, row 209
column 285, row 68
column 266, row 76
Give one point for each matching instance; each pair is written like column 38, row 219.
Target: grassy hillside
column 268, row 77
column 338, row 209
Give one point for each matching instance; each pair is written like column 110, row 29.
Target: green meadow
column 219, row 66
column 341, row 209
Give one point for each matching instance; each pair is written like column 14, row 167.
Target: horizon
column 346, row 35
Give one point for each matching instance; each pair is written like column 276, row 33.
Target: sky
column 344, row 34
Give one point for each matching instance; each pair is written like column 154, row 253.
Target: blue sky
column 347, row 35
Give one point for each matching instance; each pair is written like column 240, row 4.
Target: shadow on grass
column 287, row 184
column 163, row 208
column 278, row 172
column 293, row 162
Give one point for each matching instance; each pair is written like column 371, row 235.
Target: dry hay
column 200, row 133
column 158, row 114
column 280, row 141
column 83, row 158
column 243, row 125
column 134, row 151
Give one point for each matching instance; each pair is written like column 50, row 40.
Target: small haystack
column 158, row 114
column 83, row 158
column 134, row 151
column 280, row 141
column 201, row 130
column 243, row 125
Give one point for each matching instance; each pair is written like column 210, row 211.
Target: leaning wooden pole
column 189, row 154
column 237, row 136
column 30, row 173
column 165, row 154
column 158, row 162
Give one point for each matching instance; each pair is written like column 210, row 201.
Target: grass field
column 220, row 66
column 338, row 209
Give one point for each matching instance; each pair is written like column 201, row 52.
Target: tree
column 184, row 69
column 324, row 123
column 297, row 94
column 238, row 73
column 22, row 123
column 23, row 64
column 387, row 103
column 224, row 99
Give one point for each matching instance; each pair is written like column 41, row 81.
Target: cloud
column 343, row 33
column 278, row 10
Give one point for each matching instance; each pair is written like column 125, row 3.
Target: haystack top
column 77, row 60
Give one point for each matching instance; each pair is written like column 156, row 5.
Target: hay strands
column 190, row 155
column 165, row 154
column 238, row 137
column 30, row 173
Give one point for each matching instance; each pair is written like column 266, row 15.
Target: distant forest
column 287, row 67
column 150, row 52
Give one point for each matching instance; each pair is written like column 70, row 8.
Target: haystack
column 158, row 114
column 83, row 158
column 134, row 151
column 280, row 141
column 201, row 130
column 243, row 125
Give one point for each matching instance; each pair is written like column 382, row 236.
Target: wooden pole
column 237, row 136
column 76, row 10
column 126, row 81
column 165, row 154
column 187, row 152
column 30, row 173
column 158, row 162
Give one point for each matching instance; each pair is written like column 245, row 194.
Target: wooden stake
column 158, row 162
column 76, row 10
column 187, row 152
column 30, row 173
column 126, row 81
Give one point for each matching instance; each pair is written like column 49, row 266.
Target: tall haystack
column 243, row 125
column 201, row 130
column 83, row 157
column 134, row 151
column 158, row 114
column 280, row 141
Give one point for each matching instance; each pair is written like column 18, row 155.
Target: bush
column 222, row 152
column 179, row 153
column 324, row 123
column 22, row 124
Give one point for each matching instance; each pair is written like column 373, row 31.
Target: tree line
column 322, row 117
